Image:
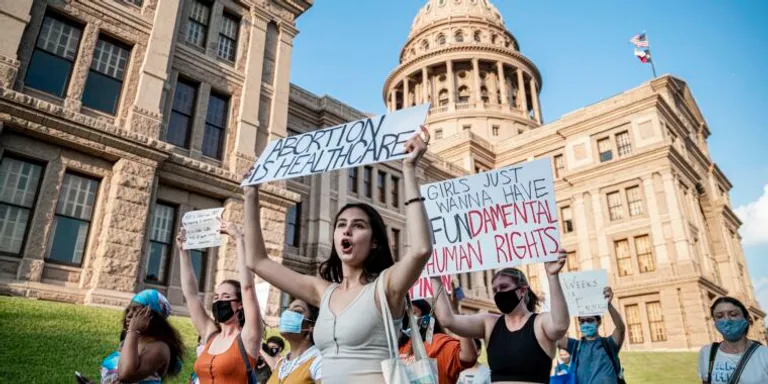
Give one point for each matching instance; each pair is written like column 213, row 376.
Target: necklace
column 287, row 367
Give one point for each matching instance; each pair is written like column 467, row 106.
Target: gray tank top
column 354, row 342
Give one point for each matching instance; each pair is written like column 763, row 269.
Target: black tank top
column 517, row 356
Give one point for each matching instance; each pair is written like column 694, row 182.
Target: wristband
column 415, row 199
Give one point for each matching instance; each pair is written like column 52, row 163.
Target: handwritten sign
column 370, row 140
column 584, row 292
column 262, row 295
column 202, row 228
column 424, row 289
column 490, row 220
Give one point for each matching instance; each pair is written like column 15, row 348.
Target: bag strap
column 743, row 362
column 419, row 350
column 386, row 314
column 244, row 354
column 610, row 353
column 712, row 354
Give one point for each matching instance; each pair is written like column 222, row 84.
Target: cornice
column 589, row 174
column 437, row 27
column 720, row 176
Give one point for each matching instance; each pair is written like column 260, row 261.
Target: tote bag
column 423, row 370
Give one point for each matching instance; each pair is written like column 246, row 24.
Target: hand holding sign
column 416, row 147
column 233, row 230
column 201, row 229
column 586, row 292
column 555, row 266
column 608, row 293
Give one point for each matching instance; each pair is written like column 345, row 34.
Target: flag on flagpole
column 640, row 41
column 643, row 54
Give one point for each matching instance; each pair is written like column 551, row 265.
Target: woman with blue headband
column 150, row 348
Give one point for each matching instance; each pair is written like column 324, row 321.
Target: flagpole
column 653, row 66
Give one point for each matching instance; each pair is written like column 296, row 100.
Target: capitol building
column 117, row 117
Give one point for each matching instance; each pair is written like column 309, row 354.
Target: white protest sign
column 424, row 288
column 584, row 292
column 367, row 141
column 262, row 295
column 497, row 219
column 202, row 228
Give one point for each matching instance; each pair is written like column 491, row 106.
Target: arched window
column 424, row 45
column 477, row 36
column 459, row 37
column 484, row 94
column 413, row 52
column 498, row 96
column 494, row 38
column 442, row 97
column 463, row 94
column 441, row 39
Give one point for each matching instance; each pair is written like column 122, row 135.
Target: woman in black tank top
column 521, row 343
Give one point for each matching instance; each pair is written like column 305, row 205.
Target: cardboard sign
column 424, row 289
column 367, row 141
column 497, row 219
column 584, row 292
column 262, row 295
column 202, row 228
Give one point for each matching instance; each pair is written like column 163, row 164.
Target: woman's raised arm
column 203, row 323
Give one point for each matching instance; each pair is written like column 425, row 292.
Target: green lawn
column 45, row 342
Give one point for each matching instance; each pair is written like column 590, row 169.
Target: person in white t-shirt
column 479, row 374
column 732, row 320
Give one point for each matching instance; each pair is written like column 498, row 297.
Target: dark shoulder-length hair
column 735, row 302
column 161, row 330
column 379, row 259
column 531, row 300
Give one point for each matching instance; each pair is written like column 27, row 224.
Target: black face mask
column 222, row 310
column 273, row 351
column 506, row 301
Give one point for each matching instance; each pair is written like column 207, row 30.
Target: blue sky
column 346, row 49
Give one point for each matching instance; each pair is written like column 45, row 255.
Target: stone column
column 144, row 117
column 14, row 17
column 406, row 93
column 279, row 110
column 478, row 283
column 676, row 216
column 122, row 239
column 584, row 252
column 478, row 94
column 76, row 87
column 451, row 87
column 535, row 101
column 247, row 121
column 523, row 104
column 198, row 124
column 659, row 243
column 603, row 250
column 214, row 23
column 424, row 85
column 502, row 85
column 320, row 218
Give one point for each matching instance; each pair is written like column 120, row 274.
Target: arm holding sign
column 618, row 322
column 468, row 352
column 555, row 322
column 204, row 325
column 466, row 326
column 407, row 270
column 305, row 287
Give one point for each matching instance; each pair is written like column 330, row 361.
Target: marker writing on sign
column 320, row 151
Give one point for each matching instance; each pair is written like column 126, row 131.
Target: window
column 135, row 2
column 395, row 191
column 645, row 260
column 293, row 225
column 624, row 146
column 396, row 243
column 495, row 130
column 634, row 324
column 105, row 79
column 197, row 25
column 484, row 95
column 441, row 39
column 459, row 37
column 572, row 262
column 367, row 182
column 635, row 201
column 463, row 94
column 215, row 126
column 438, row 133
column 477, row 36
column 270, row 54
column 72, row 221
column 567, row 217
column 656, row 321
column 442, row 98
column 623, row 257
column 199, row 259
column 381, row 185
column 19, row 183
column 425, row 45
column 160, row 243
column 182, row 113
column 604, row 148
column 559, row 165
column 228, row 37
column 615, row 211
column 54, row 55
column 466, row 127
column 352, row 182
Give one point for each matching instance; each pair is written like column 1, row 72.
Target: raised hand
column 608, row 294
column 235, row 231
column 250, row 190
column 181, row 238
column 416, row 147
column 140, row 320
column 554, row 267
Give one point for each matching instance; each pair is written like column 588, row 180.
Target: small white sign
column 584, row 292
column 262, row 295
column 367, row 141
column 202, row 228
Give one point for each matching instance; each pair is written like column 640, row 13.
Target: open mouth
column 346, row 246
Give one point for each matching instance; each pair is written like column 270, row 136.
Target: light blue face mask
column 588, row 329
column 290, row 322
column 732, row 330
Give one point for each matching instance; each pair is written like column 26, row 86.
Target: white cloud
column 761, row 291
column 755, row 218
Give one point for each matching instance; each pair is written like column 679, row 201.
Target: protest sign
column 424, row 288
column 496, row 219
column 202, row 228
column 584, row 292
column 262, row 295
column 367, row 141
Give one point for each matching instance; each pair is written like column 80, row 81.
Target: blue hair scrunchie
column 155, row 300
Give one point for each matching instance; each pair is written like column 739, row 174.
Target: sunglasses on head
column 588, row 320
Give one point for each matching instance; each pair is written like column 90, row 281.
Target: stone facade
column 634, row 178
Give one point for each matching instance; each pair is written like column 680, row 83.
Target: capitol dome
column 436, row 11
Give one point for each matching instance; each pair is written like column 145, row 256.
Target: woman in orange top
column 452, row 355
column 235, row 310
column 303, row 363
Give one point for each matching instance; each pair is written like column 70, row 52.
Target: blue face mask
column 732, row 330
column 588, row 329
column 290, row 322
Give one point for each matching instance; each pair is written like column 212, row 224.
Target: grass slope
column 46, row 342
